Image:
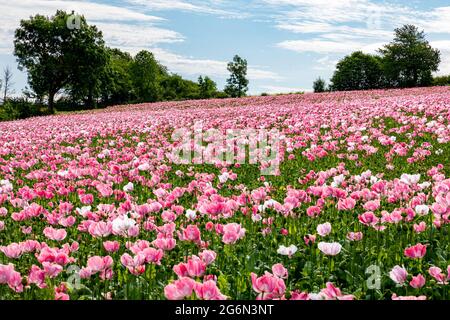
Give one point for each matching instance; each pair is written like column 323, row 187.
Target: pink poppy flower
column 346, row 204
column 268, row 286
column 100, row 229
column 296, row 295
column 55, row 234
column 37, row 277
column 52, row 270
column 191, row 233
column 355, row 236
column 330, row 249
column 111, row 246
column 179, row 289
column 398, row 275
column 208, row 291
column 134, row 264
column 13, row 251
column 313, row 211
column 166, row 244
column 417, row 282
column 279, row 271
column 232, row 232
column 419, row 228
column 371, row 205
column 437, row 274
column 368, row 219
column 309, row 239
column 333, row 293
column 324, row 229
column 208, row 256
column 11, row 277
column 193, row 268
column 416, row 252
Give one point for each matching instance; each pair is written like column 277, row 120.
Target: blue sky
column 288, row 43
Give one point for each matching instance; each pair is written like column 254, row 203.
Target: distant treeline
column 408, row 61
column 70, row 68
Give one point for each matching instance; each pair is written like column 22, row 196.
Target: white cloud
column 207, row 7
column 444, row 47
column 325, row 63
column 437, row 20
column 336, row 28
column 109, row 17
column 125, row 28
column 192, row 66
column 134, row 37
column 320, row 46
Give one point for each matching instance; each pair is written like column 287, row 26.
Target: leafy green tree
column 237, row 84
column 441, row 81
column 319, row 85
column 147, row 74
column 207, row 87
column 357, row 71
column 116, row 83
column 56, row 56
column 409, row 60
column 177, row 88
column 86, row 77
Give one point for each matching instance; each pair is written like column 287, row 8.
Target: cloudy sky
column 288, row 43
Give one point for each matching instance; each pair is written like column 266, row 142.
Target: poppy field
column 100, row 204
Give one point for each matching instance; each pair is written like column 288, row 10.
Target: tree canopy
column 409, row 60
column 237, row 83
column 73, row 60
column 58, row 57
column 319, row 85
column 357, row 71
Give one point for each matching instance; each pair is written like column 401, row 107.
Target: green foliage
column 237, row 84
column 58, row 57
column 147, row 74
column 86, row 77
column 177, row 88
column 117, row 83
column 409, row 60
column 207, row 87
column 319, row 85
column 221, row 95
column 441, row 81
column 14, row 109
column 357, row 71
column 76, row 63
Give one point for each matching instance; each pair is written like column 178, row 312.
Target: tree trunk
column 90, row 99
column 51, row 102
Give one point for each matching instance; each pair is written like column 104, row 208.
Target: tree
column 319, row 85
column 409, row 60
column 207, row 87
column 441, row 81
column 237, row 84
column 116, row 85
column 357, row 71
column 7, row 83
column 177, row 88
column 85, row 77
column 56, row 56
column 147, row 74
